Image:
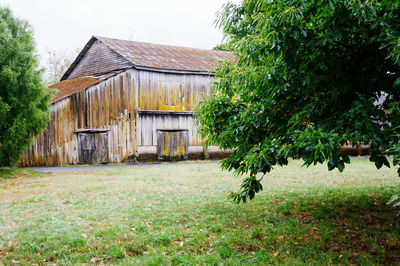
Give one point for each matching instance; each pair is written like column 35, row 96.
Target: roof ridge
column 99, row 39
column 163, row 57
column 164, row 45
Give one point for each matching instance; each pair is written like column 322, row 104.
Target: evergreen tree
column 24, row 100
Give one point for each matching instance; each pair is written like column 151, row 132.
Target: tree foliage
column 310, row 76
column 23, row 98
column 227, row 46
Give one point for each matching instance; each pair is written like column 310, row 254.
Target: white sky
column 64, row 25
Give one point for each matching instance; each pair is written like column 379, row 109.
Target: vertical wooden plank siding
column 93, row 147
column 99, row 106
column 150, row 123
column 55, row 146
column 172, row 144
column 112, row 104
column 174, row 92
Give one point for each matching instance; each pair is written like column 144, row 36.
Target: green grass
column 179, row 214
column 14, row 172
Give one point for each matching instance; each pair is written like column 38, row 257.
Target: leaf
column 346, row 158
column 378, row 163
column 397, row 83
column 340, row 166
column 385, row 162
column 251, row 194
column 392, row 199
column 331, row 5
column 396, row 204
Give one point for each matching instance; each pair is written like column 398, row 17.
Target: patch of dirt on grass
column 19, row 182
column 21, row 188
column 8, row 197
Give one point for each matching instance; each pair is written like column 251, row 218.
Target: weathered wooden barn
column 120, row 98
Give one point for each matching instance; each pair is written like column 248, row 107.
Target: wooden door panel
column 93, row 148
column 172, row 144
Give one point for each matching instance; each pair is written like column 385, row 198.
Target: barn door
column 93, row 147
column 172, row 144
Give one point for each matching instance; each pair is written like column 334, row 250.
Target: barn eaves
column 66, row 88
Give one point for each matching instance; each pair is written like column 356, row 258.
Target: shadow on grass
column 8, row 172
column 341, row 225
column 15, row 172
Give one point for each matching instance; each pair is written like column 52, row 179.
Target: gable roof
column 157, row 57
column 167, row 57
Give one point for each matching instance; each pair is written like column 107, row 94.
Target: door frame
column 93, row 131
column 161, row 133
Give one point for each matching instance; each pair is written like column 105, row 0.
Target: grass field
column 179, row 214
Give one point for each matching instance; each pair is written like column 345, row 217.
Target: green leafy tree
column 310, row 76
column 23, row 98
column 225, row 47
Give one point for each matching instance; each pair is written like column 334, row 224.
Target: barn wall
column 57, row 145
column 148, row 124
column 173, row 92
column 112, row 104
column 109, row 105
column 170, row 95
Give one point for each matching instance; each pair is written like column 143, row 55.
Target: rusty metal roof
column 167, row 57
column 68, row 87
column 157, row 57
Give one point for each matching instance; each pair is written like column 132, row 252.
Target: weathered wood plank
column 162, row 100
column 172, row 144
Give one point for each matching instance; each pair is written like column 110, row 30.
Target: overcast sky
column 68, row 24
